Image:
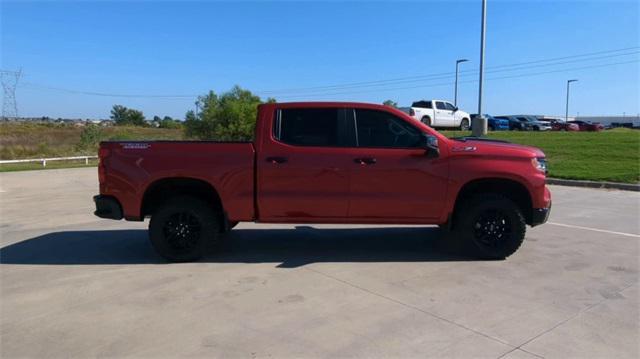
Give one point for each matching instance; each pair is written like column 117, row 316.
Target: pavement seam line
column 595, row 229
column 519, row 349
column 414, row 308
column 580, row 312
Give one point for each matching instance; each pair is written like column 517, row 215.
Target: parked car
column 438, row 113
column 588, row 126
column 515, row 124
column 557, row 125
column 329, row 162
column 536, row 125
column 493, row 124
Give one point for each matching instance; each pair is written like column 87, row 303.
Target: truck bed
column 134, row 166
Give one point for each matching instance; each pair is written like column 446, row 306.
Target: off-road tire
column 490, row 226
column 230, row 226
column 183, row 228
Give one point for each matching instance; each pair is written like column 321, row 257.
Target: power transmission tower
column 9, row 83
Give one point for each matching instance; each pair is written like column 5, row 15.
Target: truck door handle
column 365, row 161
column 276, row 160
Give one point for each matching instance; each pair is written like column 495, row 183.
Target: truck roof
column 326, row 104
column 311, row 104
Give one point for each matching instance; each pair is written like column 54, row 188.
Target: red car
column 564, row 126
column 326, row 162
column 588, row 126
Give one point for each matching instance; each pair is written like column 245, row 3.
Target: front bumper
column 107, row 207
column 540, row 215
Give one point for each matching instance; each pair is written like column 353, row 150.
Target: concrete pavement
column 72, row 285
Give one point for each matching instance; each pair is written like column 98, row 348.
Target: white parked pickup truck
column 438, row 113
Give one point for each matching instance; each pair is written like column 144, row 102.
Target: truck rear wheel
column 183, row 228
column 426, row 120
column 491, row 226
column 230, row 225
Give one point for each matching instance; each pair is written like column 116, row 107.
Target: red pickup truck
column 328, row 162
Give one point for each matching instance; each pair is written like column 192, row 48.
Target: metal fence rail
column 45, row 160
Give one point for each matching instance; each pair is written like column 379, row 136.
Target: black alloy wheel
column 491, row 227
column 183, row 228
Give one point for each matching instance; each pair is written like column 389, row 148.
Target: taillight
column 412, row 112
column 103, row 153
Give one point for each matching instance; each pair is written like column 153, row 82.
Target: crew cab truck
column 438, row 113
column 326, row 162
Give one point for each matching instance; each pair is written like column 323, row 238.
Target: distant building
column 605, row 120
column 608, row 120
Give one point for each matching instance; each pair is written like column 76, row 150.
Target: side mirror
column 431, row 146
column 455, row 109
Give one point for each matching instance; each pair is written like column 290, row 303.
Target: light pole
column 566, row 112
column 455, row 95
column 479, row 125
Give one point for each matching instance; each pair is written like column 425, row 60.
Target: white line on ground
column 595, row 229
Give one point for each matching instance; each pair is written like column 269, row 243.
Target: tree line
column 230, row 116
column 124, row 116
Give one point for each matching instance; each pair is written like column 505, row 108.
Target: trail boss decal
column 135, row 146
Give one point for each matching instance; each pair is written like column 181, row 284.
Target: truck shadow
column 287, row 247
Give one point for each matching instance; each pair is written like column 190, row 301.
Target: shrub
column 229, row 117
column 123, row 116
column 90, row 138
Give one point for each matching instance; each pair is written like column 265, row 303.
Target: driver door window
column 382, row 129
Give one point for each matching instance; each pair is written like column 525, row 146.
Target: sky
column 79, row 58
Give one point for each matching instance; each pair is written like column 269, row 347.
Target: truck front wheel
column 182, row 229
column 491, row 226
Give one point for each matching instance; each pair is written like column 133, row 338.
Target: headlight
column 540, row 163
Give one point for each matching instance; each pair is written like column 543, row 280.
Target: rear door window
column 313, row 127
column 440, row 105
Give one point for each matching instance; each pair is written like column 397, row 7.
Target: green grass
column 612, row 155
column 29, row 166
column 32, row 140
